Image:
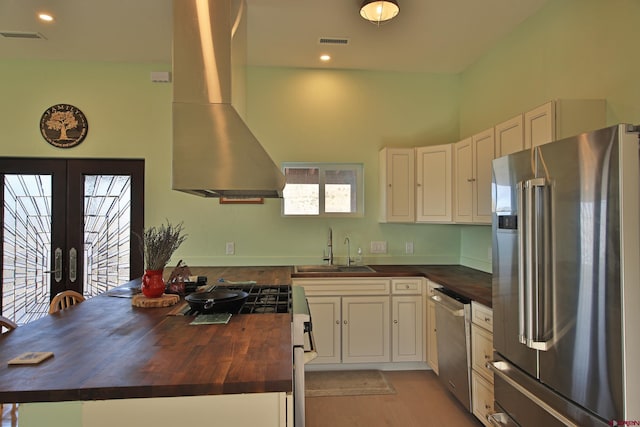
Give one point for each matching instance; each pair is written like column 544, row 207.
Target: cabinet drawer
column 481, row 351
column 411, row 286
column 482, row 398
column 482, row 315
column 344, row 286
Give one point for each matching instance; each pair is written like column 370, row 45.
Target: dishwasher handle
column 452, row 307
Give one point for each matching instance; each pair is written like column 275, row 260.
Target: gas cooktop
column 262, row 299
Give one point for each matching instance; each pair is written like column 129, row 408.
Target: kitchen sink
column 327, row 268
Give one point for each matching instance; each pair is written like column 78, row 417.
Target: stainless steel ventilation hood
column 214, row 152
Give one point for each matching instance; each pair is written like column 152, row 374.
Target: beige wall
column 570, row 49
column 298, row 114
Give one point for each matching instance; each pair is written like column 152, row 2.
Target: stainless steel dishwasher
column 453, row 325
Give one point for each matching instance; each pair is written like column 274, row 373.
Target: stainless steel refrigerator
column 566, row 282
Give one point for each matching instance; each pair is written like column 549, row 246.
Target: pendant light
column 378, row 12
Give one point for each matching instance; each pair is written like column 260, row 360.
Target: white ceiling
column 427, row 35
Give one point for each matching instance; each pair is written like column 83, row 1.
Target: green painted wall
column 300, row 115
column 571, row 49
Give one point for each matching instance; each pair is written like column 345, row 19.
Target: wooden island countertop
column 106, row 349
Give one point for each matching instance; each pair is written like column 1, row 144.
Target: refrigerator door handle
column 539, row 233
column 531, row 259
column 531, row 280
column 522, row 265
column 502, row 368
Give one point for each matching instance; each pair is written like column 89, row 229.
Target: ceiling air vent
column 21, row 35
column 339, row 41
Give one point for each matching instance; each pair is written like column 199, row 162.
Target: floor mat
column 346, row 383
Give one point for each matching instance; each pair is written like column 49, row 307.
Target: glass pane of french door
column 67, row 224
column 26, row 246
column 107, row 232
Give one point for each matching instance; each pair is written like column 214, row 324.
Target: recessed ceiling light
column 325, row 58
column 45, row 17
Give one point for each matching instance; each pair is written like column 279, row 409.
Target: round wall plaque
column 63, row 125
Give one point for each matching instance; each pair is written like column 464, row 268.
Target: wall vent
column 340, row 41
column 21, row 35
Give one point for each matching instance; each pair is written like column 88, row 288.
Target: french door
column 67, row 224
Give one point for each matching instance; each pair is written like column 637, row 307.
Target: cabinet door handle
column 345, row 322
column 471, row 179
column 395, row 322
column 337, row 322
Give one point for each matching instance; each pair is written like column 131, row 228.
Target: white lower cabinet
column 482, row 396
column 365, row 329
column 350, row 329
column 481, row 353
column 326, row 314
column 267, row 409
column 366, row 320
column 432, row 333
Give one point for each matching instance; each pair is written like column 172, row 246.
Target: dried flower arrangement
column 159, row 243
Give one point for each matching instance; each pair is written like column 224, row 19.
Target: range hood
column 214, row 152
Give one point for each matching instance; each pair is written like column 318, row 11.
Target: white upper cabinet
column 563, row 118
column 473, row 156
column 397, row 185
column 434, row 183
column 452, row 182
column 483, row 155
column 463, row 181
column 510, row 136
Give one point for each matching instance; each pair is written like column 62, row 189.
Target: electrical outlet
column 408, row 247
column 230, row 248
column 379, row 247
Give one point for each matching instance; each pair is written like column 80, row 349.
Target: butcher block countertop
column 468, row 282
column 106, row 349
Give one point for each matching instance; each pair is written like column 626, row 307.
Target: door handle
column 533, row 263
column 73, row 264
column 57, row 265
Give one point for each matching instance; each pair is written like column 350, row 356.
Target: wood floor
column 420, row 401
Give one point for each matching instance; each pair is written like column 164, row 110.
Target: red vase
column 152, row 283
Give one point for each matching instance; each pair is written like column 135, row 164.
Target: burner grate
column 267, row 299
column 262, row 299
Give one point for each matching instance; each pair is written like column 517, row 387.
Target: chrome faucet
column 329, row 256
column 348, row 243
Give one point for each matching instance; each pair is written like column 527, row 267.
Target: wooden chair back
column 65, row 299
column 7, row 323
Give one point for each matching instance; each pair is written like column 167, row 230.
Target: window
column 323, row 189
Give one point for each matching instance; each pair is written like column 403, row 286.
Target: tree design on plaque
column 63, row 126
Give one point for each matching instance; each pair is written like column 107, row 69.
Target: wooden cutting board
column 165, row 300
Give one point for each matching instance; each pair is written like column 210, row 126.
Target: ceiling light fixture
column 378, row 12
column 45, row 17
column 325, row 58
